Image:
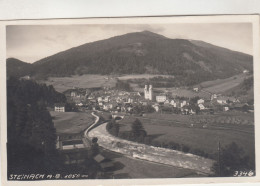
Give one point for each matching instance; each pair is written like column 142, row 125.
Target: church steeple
column 148, row 93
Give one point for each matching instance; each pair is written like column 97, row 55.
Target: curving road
column 146, row 152
column 93, row 125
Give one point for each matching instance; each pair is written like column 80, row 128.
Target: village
column 120, row 101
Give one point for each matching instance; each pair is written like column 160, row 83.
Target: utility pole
column 219, row 164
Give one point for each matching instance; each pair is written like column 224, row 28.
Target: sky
column 31, row 43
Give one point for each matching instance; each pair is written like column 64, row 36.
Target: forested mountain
column 145, row 52
column 31, row 136
column 17, row 68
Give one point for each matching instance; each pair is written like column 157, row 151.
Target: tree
column 113, row 127
column 232, row 159
column 194, row 100
column 122, row 85
column 138, row 129
column 94, row 147
column 31, row 136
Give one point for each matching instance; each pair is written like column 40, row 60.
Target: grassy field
column 166, row 128
column 85, row 81
column 142, row 76
column 222, row 85
column 71, row 122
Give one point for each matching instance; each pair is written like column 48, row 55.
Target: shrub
column 156, row 143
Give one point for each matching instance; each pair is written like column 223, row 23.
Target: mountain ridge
column 145, row 52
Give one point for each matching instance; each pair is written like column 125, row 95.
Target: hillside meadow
column 222, row 85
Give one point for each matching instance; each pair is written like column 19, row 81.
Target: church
column 148, row 92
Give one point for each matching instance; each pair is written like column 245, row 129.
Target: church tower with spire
column 148, row 92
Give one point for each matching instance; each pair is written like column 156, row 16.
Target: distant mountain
column 18, row 68
column 145, row 52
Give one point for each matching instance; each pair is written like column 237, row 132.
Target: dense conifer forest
column 31, row 134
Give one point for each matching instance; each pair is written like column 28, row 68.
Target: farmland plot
column 71, row 122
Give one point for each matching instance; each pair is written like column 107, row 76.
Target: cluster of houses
column 122, row 101
column 114, row 100
column 187, row 105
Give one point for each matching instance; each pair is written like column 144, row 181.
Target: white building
column 200, row 101
column 25, row 78
column 99, row 99
column 129, row 109
column 214, row 96
column 173, row 103
column 192, row 111
column 148, row 92
column 196, row 89
column 167, row 101
column 201, row 106
column 107, row 106
column 161, row 98
column 156, row 108
column 73, row 94
column 183, row 103
column 106, row 99
column 130, row 100
column 222, row 100
column 226, row 108
column 59, row 107
column 80, row 104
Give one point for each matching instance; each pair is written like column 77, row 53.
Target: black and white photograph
column 130, row 99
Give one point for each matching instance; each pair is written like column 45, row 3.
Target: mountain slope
column 145, row 52
column 237, row 58
column 244, row 91
column 17, row 68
